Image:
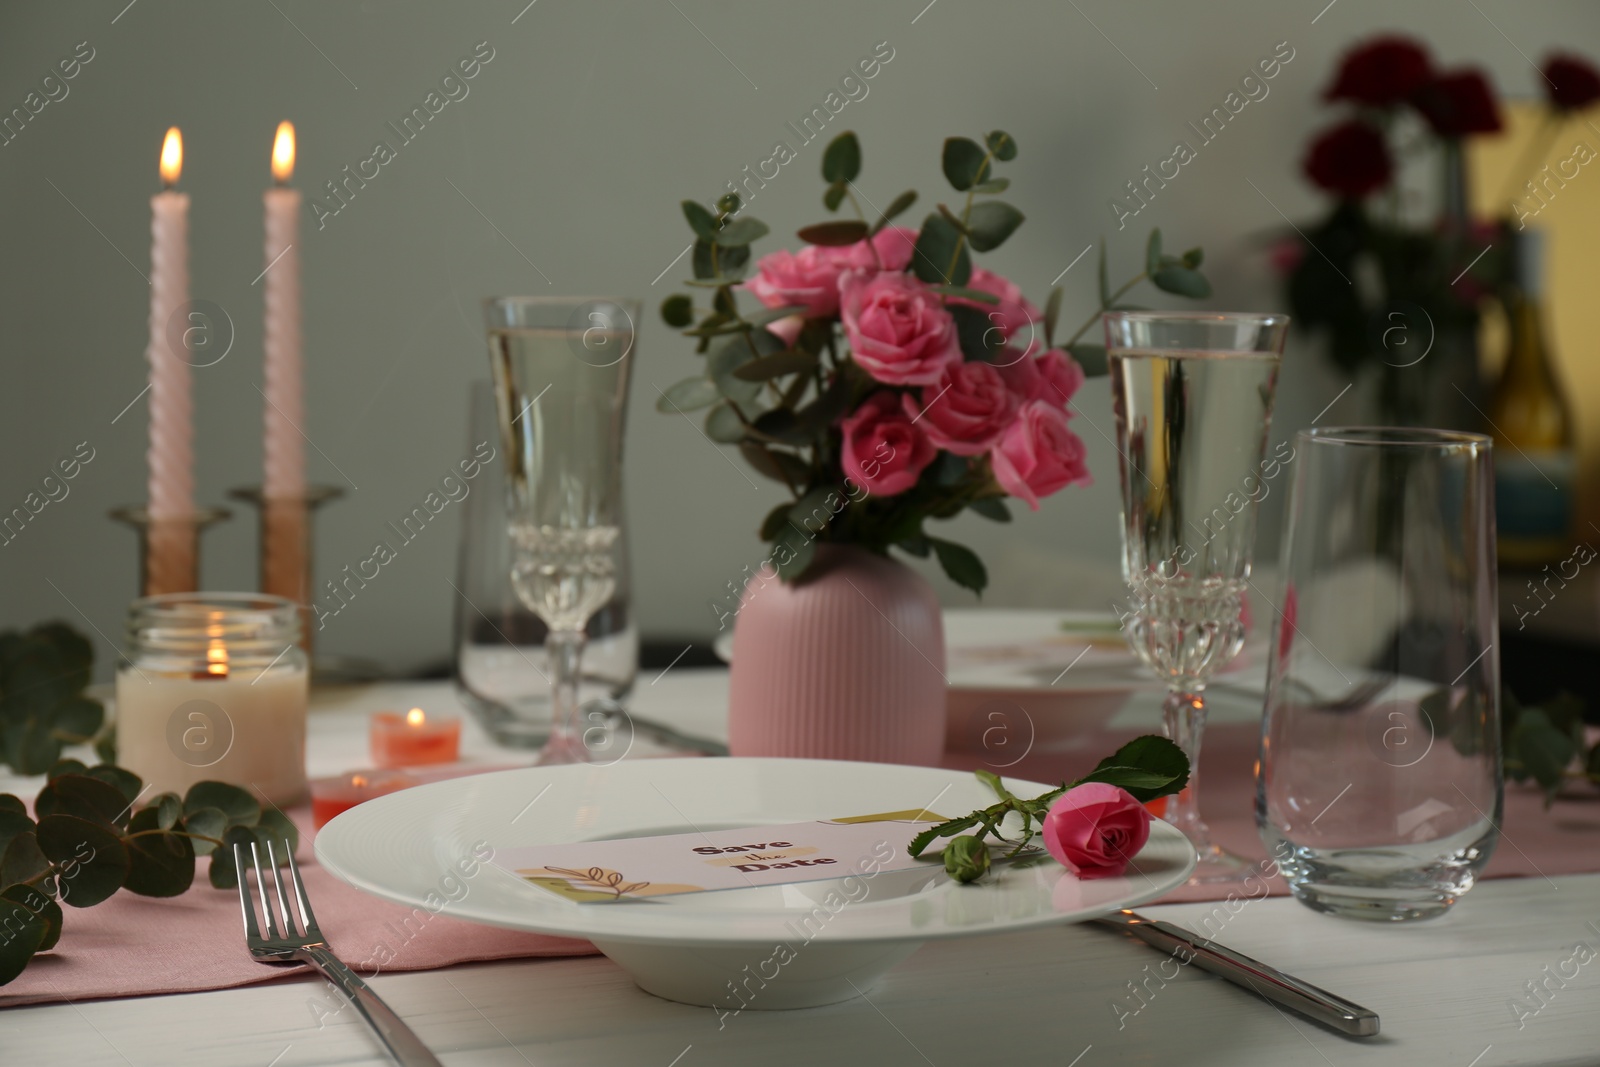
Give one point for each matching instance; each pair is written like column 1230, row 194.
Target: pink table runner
column 133, row 945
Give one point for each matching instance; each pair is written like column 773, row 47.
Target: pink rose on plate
column 883, row 450
column 1013, row 315
column 1038, row 454
column 966, row 411
column 899, row 331
column 808, row 278
column 891, row 249
column 1053, row 377
column 1095, row 829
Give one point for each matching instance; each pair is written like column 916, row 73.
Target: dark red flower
column 1384, row 71
column 1570, row 82
column 1350, row 159
column 1458, row 104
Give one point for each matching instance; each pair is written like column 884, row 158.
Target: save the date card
column 604, row 872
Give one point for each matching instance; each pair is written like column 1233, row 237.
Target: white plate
column 406, row 846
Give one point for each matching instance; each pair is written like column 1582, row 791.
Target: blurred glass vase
column 1378, row 789
column 501, row 670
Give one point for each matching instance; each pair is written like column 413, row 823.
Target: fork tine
column 307, row 919
column 251, row 931
column 283, row 901
column 266, row 904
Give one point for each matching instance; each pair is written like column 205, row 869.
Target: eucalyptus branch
column 1092, row 319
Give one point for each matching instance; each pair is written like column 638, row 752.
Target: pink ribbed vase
column 848, row 664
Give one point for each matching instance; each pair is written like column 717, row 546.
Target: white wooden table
column 1445, row 989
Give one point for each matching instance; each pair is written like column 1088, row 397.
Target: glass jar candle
column 215, row 689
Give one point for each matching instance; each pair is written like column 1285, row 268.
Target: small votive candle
column 413, row 739
column 335, row 796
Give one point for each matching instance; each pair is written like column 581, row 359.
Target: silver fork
column 275, row 940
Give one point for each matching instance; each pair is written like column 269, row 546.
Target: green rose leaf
column 990, row 223
column 91, row 859
column 774, row 523
column 940, row 245
column 724, row 426
column 1092, row 358
column 777, row 365
column 39, row 906
column 1182, row 281
column 206, row 822
column 978, row 335
column 896, row 207
column 239, row 805
column 991, row 507
column 834, row 234
column 841, row 160
column 812, row 512
column 159, row 864
column 84, row 797
column 677, row 311
column 688, row 395
column 915, row 545
column 944, row 829
column 1147, row 767
column 792, row 553
column 701, row 221
column 1001, row 144
column 961, row 564
column 961, row 292
column 741, row 232
column 965, row 163
column 127, row 783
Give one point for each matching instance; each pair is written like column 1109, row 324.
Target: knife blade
column 1301, row 996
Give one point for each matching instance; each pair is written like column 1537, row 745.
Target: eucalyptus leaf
column 775, row 522
column 1183, row 281
column 11, row 803
column 91, row 860
column 26, row 931
column 206, row 822
column 812, row 512
column 916, row 545
column 677, row 311
column 768, row 315
column 965, row 163
column 159, row 864
column 979, row 336
column 834, row 234
column 989, row 224
column 723, row 361
column 724, row 426
column 65, row 766
column 701, row 221
column 39, row 906
column 1092, row 358
column 124, row 781
column 223, row 874
column 1102, row 278
column 841, row 160
column 1052, row 314
column 277, row 827
column 239, row 805
column 1152, row 252
column 776, row 464
column 23, row 861
column 896, row 207
column 13, row 823
column 777, row 365
column 1193, row 258
column 1001, row 144
column 993, row 185
column 792, row 553
column 30, row 744
column 833, row 196
column 83, row 797
column 688, row 395
column 961, row 292
column 742, row 232
column 168, row 808
column 938, row 246
column 77, row 719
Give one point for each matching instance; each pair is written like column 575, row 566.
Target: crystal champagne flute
column 1192, row 393
column 561, row 369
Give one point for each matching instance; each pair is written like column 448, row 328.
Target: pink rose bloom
column 808, row 278
column 1095, row 829
column 1038, row 454
column 965, row 411
column 893, row 246
column 899, row 331
column 883, row 450
column 1014, row 313
column 1054, row 376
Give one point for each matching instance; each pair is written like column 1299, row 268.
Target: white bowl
column 693, row 947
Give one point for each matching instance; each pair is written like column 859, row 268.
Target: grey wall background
column 578, row 140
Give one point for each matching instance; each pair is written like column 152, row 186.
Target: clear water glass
column 1192, row 393
column 1378, row 788
column 501, row 670
column 561, row 368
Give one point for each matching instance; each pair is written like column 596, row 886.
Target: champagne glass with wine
column 1192, row 394
column 561, row 369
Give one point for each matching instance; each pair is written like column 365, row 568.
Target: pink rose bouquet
column 882, row 359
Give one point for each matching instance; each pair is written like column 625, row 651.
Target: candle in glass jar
column 335, row 796
column 413, row 740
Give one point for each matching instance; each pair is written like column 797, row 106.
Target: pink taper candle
column 171, row 455
column 285, row 407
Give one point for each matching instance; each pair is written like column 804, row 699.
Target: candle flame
column 217, row 658
column 283, row 153
column 172, row 157
column 415, row 717
column 358, row 779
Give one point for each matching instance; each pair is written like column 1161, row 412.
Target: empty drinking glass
column 1378, row 789
column 561, row 369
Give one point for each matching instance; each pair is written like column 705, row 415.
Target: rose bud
column 966, row 859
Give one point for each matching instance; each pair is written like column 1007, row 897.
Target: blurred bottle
column 1534, row 432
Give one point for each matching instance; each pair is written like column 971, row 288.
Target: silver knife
column 1241, row 970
